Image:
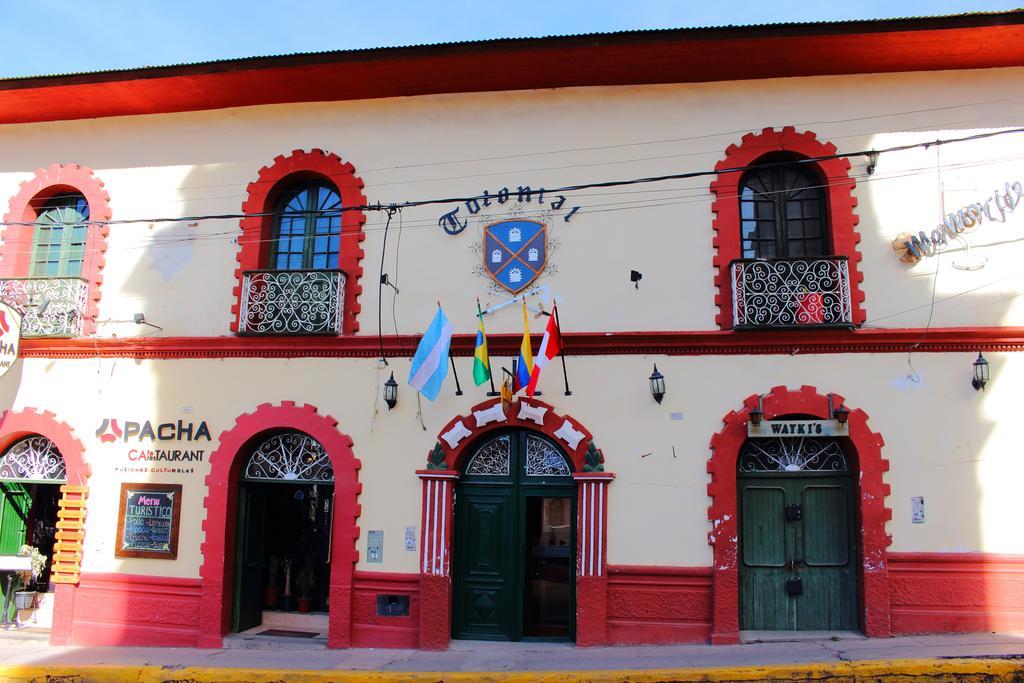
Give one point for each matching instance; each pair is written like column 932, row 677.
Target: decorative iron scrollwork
column 791, row 292
column 292, row 302
column 53, row 306
column 33, row 459
column 544, row 460
column 792, row 454
column 289, row 456
column 492, row 460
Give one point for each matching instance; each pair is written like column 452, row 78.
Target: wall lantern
column 757, row 414
column 657, row 384
column 391, row 391
column 981, row 373
column 841, row 414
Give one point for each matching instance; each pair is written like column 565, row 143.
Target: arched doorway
column 864, row 449
column 282, row 547
column 797, row 541
column 515, row 540
column 31, row 473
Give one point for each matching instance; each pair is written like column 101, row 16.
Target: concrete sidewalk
column 981, row 657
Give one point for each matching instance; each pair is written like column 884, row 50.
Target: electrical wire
column 557, row 190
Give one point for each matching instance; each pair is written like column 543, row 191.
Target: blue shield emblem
column 515, row 252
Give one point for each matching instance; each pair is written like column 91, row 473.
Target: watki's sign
column 10, row 337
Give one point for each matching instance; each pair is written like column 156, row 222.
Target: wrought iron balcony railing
column 52, row 306
column 292, row 302
column 791, row 292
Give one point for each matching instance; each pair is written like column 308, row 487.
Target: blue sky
column 61, row 36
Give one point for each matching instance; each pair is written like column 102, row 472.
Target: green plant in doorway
column 25, row 599
column 272, row 591
column 304, row 581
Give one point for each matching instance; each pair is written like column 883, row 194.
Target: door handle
column 796, row 565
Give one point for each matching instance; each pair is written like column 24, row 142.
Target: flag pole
column 458, row 389
column 561, row 351
column 490, row 374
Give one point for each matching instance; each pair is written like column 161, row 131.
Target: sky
column 63, row 36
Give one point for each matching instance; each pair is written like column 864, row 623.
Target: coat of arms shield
column 515, row 252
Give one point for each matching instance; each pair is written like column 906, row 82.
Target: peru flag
column 550, row 347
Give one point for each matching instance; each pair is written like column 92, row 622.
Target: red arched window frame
column 257, row 227
column 839, row 200
column 16, row 260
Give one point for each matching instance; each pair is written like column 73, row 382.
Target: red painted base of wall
column 653, row 605
column 124, row 609
column 956, row 592
column 371, row 630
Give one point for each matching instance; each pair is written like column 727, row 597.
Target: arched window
column 782, row 209
column 307, row 228
column 61, row 233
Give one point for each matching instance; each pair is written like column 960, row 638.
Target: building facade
column 220, row 266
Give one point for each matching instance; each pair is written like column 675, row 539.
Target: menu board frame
column 172, row 552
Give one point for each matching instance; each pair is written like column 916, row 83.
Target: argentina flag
column 430, row 364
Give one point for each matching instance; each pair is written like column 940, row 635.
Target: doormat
column 286, row 633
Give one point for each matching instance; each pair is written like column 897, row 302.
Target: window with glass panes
column 782, row 213
column 59, row 237
column 307, row 229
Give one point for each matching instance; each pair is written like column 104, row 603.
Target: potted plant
column 304, row 581
column 287, row 600
column 272, row 591
column 25, row 599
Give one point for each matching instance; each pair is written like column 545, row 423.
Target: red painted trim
column 454, row 457
column 126, row 609
column 16, row 425
column 867, row 447
column 217, row 568
column 659, row 605
column 371, row 630
column 956, row 592
column 628, row 58
column 16, row 260
column 436, row 586
column 683, row 343
column 842, row 220
column 263, row 195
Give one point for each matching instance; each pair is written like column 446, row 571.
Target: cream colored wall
column 956, row 447
column 455, row 145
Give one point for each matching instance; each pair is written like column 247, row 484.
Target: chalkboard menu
column 147, row 522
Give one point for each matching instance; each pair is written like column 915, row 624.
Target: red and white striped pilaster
column 436, row 524
column 592, row 529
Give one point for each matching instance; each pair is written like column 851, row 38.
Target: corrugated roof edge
column 962, row 20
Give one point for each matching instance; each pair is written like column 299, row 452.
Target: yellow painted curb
column 884, row 671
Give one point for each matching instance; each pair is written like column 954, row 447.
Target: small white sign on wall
column 410, row 538
column 917, row 510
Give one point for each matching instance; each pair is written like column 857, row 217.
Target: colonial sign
column 777, row 428
column 993, row 209
column 515, row 252
column 148, row 521
column 10, row 337
column 540, row 200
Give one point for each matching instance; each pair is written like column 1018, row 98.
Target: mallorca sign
column 515, row 252
column 10, row 336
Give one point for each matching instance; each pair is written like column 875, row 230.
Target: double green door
column 797, row 545
column 514, row 545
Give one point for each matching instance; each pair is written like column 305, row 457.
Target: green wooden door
column 516, row 495
column 487, row 578
column 249, row 569
column 797, row 553
column 13, row 517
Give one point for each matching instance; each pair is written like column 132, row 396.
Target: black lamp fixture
column 657, row 384
column 391, row 392
column 757, row 414
column 841, row 414
column 981, row 373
